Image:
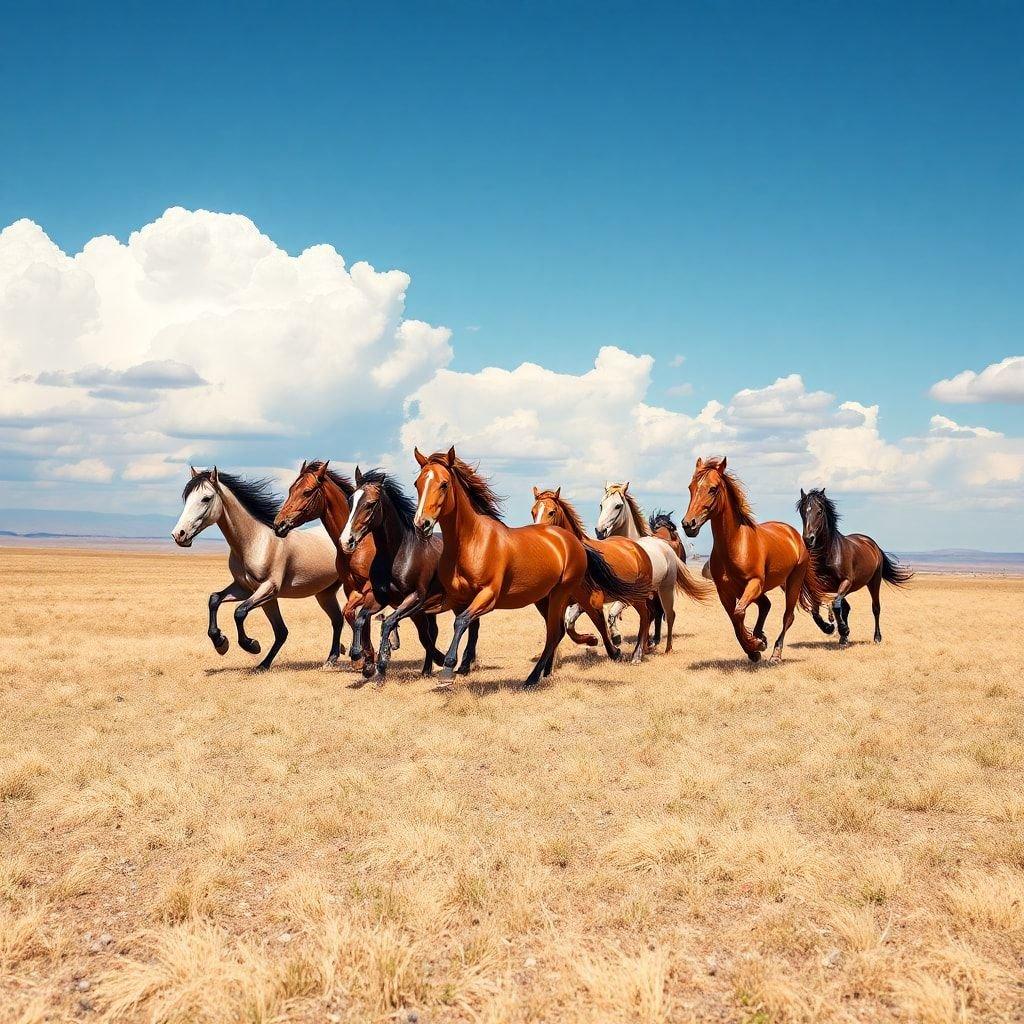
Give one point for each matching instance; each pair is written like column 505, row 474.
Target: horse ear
column 725, row 462
column 536, row 493
column 625, row 487
column 803, row 497
column 303, row 468
column 359, row 477
column 700, row 463
column 322, row 471
column 450, row 457
column 420, row 457
column 195, row 472
column 558, row 491
column 214, row 476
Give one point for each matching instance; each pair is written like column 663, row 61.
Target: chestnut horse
column 625, row 557
column 845, row 563
column 749, row 558
column 664, row 528
column 321, row 493
column 403, row 573
column 486, row 565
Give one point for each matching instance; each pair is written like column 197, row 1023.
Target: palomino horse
column 845, row 563
column 404, row 569
column 749, row 558
column 321, row 493
column 621, row 516
column 263, row 567
column 486, row 565
column 625, row 557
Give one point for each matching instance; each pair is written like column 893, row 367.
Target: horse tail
column 601, row 576
column 894, row 573
column 813, row 592
column 686, row 584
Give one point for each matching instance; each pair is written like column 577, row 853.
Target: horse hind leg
column 232, row 592
column 874, row 588
column 557, row 601
column 469, row 655
column 572, row 613
column 657, row 613
column 667, row 599
column 826, row 627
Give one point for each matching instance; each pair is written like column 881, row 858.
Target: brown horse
column 486, row 564
column 403, row 574
column 749, row 558
column 322, row 493
column 625, row 557
column 662, row 526
column 845, row 563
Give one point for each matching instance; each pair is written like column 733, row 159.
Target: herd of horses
column 380, row 548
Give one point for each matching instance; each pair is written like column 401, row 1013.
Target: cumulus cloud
column 199, row 327
column 83, row 471
column 998, row 382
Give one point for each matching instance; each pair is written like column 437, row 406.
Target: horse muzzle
column 181, row 538
column 425, row 527
column 283, row 529
column 692, row 528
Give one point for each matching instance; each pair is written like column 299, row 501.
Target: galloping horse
column 749, row 558
column 664, row 528
column 625, row 557
column 404, row 569
column 263, row 567
column 486, row 565
column 845, row 563
column 321, row 493
column 621, row 516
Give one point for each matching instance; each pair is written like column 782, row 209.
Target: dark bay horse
column 625, row 557
column 749, row 558
column 263, row 567
column 845, row 563
column 319, row 492
column 403, row 574
column 486, row 565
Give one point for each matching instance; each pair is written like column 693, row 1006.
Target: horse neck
column 239, row 526
column 462, row 524
column 336, row 510
column 390, row 533
column 833, row 539
column 725, row 524
column 566, row 523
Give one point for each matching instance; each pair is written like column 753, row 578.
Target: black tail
column 894, row 573
column 601, row 577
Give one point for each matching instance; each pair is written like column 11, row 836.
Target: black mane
column 403, row 505
column 257, row 497
column 828, row 506
column 659, row 518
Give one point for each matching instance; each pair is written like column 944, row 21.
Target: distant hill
column 36, row 522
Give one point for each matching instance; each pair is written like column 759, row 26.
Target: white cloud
column 998, row 382
column 785, row 404
column 199, row 326
column 94, row 471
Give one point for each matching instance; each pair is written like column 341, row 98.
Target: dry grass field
column 838, row 839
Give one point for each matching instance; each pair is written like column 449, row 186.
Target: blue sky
column 827, row 190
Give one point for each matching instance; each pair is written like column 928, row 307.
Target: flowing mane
column 346, row 485
column 639, row 519
column 828, row 507
column 403, row 505
column 660, row 518
column 737, row 496
column 257, row 497
column 575, row 521
column 478, row 489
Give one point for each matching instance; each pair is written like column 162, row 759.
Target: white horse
column 621, row 516
column 263, row 566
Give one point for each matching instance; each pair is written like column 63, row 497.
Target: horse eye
column 714, row 490
column 308, row 492
column 207, row 499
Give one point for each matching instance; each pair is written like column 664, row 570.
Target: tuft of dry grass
column 838, row 839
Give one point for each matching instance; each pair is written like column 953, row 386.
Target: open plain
column 693, row 839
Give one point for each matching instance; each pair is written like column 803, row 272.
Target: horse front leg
column 328, row 600
column 484, row 602
column 410, row 605
column 349, row 613
column 614, row 611
column 232, row 592
column 272, row 610
column 265, row 592
column 826, row 627
column 841, row 609
column 369, row 608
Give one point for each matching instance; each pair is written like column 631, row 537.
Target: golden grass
column 838, row 839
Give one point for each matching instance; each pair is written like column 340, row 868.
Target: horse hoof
column 877, row 640
column 616, row 655
column 221, row 644
column 369, row 670
column 447, row 674
column 754, row 655
column 464, row 670
column 828, row 629
column 763, row 641
column 250, row 646
column 260, row 669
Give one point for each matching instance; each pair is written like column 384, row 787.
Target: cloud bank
column 200, row 336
